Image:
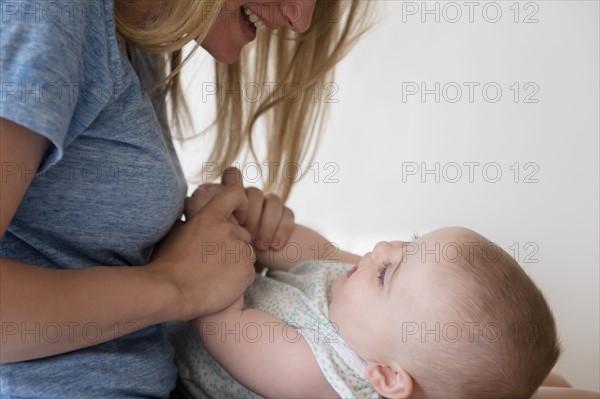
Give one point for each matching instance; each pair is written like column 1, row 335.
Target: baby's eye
column 382, row 269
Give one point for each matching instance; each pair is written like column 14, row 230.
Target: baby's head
column 450, row 315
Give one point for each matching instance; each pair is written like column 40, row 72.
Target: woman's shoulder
column 55, row 53
column 60, row 42
column 61, row 66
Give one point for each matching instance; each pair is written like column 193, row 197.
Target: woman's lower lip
column 248, row 32
column 351, row 271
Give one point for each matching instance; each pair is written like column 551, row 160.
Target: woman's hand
column 207, row 259
column 269, row 222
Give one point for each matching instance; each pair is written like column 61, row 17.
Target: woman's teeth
column 253, row 20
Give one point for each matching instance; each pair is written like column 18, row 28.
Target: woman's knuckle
column 269, row 225
column 272, row 199
column 254, row 192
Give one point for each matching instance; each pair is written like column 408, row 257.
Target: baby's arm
column 304, row 244
column 263, row 353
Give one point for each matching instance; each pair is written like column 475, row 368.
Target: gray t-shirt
column 108, row 189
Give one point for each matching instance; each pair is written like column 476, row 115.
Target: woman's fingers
column 255, row 208
column 276, row 225
column 284, row 231
column 232, row 177
column 201, row 196
column 270, row 219
column 229, row 201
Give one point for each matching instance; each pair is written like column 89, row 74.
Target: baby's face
column 394, row 286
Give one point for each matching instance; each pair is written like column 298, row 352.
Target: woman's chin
column 228, row 59
column 224, row 56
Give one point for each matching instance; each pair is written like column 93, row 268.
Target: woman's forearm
column 184, row 280
column 46, row 312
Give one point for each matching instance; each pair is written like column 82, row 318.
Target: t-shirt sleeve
column 42, row 66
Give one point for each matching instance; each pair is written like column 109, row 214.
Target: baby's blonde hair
column 508, row 361
column 299, row 60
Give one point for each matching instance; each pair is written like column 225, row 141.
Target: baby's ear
column 389, row 382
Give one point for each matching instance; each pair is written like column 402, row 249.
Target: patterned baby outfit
column 300, row 298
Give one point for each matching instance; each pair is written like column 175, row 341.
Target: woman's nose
column 299, row 14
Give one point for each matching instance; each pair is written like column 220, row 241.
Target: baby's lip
column 351, row 271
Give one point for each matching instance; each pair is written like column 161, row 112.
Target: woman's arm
column 21, row 151
column 45, row 312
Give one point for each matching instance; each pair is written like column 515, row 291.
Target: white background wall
column 547, row 215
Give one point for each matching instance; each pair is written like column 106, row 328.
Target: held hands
column 206, row 260
column 268, row 221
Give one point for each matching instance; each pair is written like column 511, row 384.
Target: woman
column 90, row 181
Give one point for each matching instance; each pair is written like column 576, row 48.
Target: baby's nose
column 382, row 249
column 400, row 244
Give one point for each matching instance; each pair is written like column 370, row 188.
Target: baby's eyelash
column 382, row 269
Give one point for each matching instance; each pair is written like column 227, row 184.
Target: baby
column 448, row 315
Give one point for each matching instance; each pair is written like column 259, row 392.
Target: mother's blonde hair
column 301, row 61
